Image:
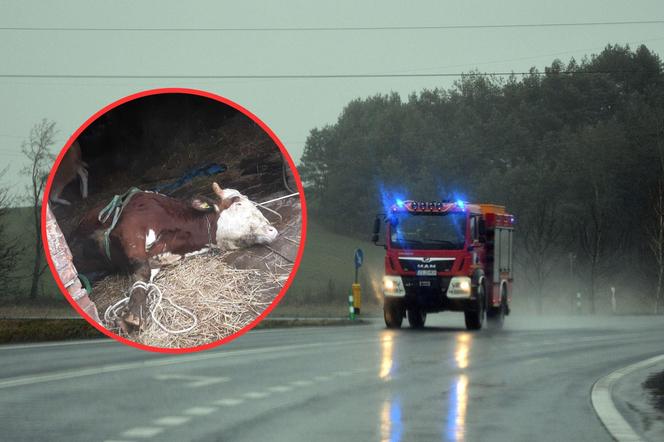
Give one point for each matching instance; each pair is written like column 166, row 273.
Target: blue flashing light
column 461, row 204
column 400, row 203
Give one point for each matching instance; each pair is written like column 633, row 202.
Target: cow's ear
column 225, row 204
column 202, row 205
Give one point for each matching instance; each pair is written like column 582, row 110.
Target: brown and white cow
column 154, row 230
column 72, row 164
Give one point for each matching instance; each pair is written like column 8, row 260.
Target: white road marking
column 280, row 388
column 142, row 432
column 343, row 373
column 172, row 421
column 302, row 383
column 228, row 402
column 160, row 362
column 192, row 381
column 536, row 360
column 601, row 399
column 322, row 378
column 256, row 395
column 200, row 411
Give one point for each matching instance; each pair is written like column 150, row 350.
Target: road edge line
column 605, row 408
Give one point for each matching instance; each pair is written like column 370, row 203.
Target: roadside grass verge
column 42, row 330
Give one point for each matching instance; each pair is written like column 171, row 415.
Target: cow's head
column 240, row 223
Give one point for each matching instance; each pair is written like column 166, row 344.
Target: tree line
column 576, row 152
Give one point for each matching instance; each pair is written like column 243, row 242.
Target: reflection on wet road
column 361, row 383
column 458, row 397
column 463, row 342
column 387, row 358
column 455, row 404
column 391, row 426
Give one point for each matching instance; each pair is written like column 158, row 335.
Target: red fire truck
column 446, row 255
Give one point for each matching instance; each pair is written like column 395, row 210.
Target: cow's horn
column 217, row 190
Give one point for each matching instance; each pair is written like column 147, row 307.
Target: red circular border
column 227, row 102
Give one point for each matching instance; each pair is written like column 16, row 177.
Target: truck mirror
column 376, row 230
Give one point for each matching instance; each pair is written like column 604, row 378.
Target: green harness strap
column 86, row 283
column 115, row 208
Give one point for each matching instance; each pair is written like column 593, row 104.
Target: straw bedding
column 226, row 291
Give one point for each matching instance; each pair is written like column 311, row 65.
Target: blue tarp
column 208, row 170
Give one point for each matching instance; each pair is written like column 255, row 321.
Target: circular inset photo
column 173, row 220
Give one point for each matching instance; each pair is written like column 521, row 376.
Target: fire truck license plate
column 425, row 283
column 427, row 272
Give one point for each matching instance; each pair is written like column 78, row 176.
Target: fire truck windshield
column 428, row 232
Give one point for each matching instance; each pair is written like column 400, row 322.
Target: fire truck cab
column 444, row 255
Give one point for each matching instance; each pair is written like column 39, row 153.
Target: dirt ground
column 254, row 166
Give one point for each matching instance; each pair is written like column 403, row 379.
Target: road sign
column 359, row 258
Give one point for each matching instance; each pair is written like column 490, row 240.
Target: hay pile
column 225, row 290
column 223, row 298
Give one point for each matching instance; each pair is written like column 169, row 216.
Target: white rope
column 273, row 200
column 280, row 198
column 154, row 298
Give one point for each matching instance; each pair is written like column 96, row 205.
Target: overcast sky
column 291, row 107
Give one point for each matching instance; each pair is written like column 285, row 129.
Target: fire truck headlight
column 459, row 287
column 392, row 286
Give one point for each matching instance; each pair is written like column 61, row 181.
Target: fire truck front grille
column 412, row 265
column 432, row 287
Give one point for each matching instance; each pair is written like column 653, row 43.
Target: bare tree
column 540, row 224
column 656, row 229
column 592, row 238
column 9, row 247
column 538, row 233
column 600, row 152
column 36, row 149
column 656, row 241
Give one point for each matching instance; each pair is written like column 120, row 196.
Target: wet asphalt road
column 530, row 381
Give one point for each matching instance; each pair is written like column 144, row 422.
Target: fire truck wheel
column 416, row 318
column 475, row 317
column 496, row 316
column 393, row 313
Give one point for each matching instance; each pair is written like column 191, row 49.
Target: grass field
column 323, row 282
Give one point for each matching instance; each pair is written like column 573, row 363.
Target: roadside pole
column 356, row 289
column 572, row 257
column 351, row 309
